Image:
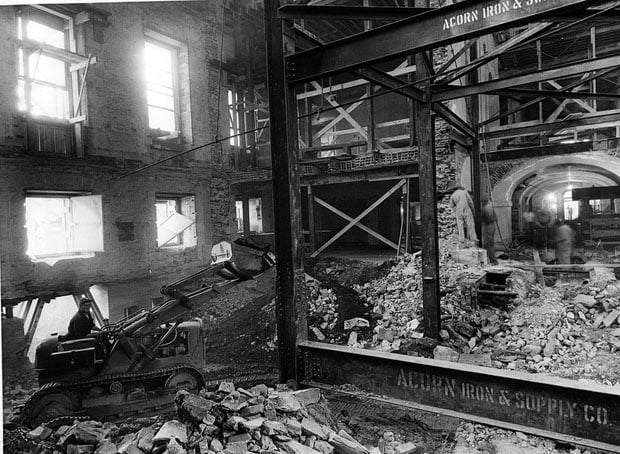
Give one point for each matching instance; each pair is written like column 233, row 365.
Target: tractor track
column 72, row 388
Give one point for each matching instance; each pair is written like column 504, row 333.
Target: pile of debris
column 229, row 420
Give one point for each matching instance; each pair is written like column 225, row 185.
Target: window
column 161, row 87
column 255, row 211
column 176, row 217
column 43, row 80
column 233, row 117
column 239, row 215
column 63, row 225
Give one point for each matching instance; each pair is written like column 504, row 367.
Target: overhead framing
column 360, row 54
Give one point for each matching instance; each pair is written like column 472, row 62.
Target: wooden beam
column 357, row 224
column 362, row 215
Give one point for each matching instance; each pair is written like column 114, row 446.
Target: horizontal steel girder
column 435, row 28
column 582, row 413
column 557, row 72
column 348, row 12
column 393, row 83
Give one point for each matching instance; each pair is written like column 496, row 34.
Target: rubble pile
column 230, row 420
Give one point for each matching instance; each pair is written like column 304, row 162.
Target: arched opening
column 545, row 186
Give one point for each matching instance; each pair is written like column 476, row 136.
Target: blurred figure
column 488, row 230
column 463, row 206
column 564, row 241
column 529, row 222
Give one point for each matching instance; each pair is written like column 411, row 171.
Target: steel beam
column 376, row 13
column 290, row 310
column 567, row 70
column 555, row 94
column 435, row 28
column 537, row 151
column 529, row 129
column 425, row 133
column 577, row 412
column 391, row 83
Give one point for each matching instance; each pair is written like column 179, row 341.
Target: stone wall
column 117, row 140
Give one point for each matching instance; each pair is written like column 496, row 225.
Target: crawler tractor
column 135, row 366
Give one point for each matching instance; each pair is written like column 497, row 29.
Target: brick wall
column 117, row 141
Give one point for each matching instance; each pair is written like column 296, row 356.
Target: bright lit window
column 239, row 215
column 256, row 215
column 63, row 226
column 43, row 81
column 176, row 217
column 233, row 118
column 161, row 91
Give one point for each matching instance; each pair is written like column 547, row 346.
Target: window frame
column 186, row 237
column 28, row 46
column 175, row 47
column 73, row 202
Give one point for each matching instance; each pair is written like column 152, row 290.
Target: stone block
column 472, row 256
column 193, row 408
column 172, row 430
column 308, row 396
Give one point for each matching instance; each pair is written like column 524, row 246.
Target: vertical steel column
column 425, row 133
column 311, row 225
column 475, row 152
column 290, row 313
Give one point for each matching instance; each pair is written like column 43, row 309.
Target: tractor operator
column 82, row 322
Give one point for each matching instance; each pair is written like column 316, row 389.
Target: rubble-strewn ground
column 261, row 419
column 569, row 329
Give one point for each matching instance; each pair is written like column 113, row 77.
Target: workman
column 463, row 206
column 82, row 322
column 488, row 218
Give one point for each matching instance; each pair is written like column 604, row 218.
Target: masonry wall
column 116, row 142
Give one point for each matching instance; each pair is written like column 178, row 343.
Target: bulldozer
column 134, row 367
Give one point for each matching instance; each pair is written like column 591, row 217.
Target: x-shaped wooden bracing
column 356, row 221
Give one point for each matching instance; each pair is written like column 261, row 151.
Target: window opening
column 43, row 81
column 175, row 217
column 161, row 88
column 571, row 208
column 239, row 215
column 233, row 117
column 63, row 226
column 256, row 215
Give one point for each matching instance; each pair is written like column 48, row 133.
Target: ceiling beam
column 435, row 28
column 610, row 116
column 569, row 69
column 555, row 94
column 537, row 151
column 393, row 83
column 348, row 12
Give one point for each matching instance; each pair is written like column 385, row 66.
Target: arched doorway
column 542, row 183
